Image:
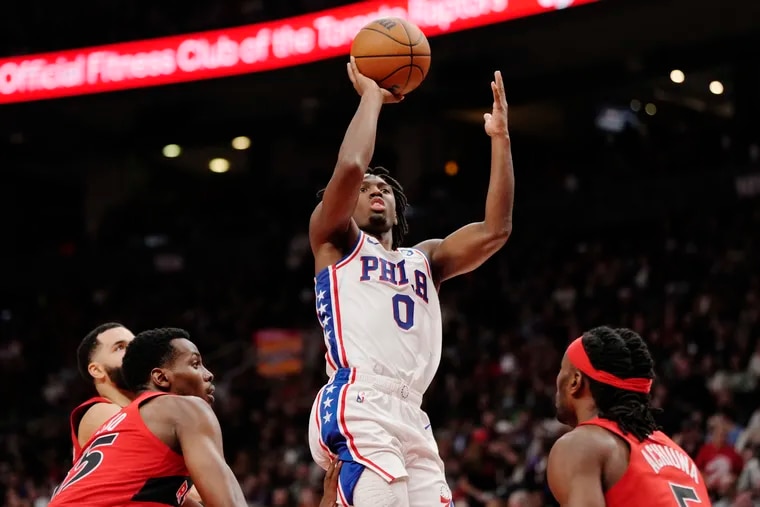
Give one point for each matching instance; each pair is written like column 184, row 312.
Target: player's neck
column 114, row 394
column 586, row 412
column 385, row 239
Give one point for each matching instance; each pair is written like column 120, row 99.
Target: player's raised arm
column 200, row 439
column 332, row 217
column 469, row 247
column 574, row 471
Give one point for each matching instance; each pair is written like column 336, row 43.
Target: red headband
column 577, row 355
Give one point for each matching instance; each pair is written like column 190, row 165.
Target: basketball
column 394, row 53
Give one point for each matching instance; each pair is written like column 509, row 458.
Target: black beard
column 378, row 224
column 117, row 378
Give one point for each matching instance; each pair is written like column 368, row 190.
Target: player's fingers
column 350, row 71
column 487, row 117
column 498, row 96
column 500, row 85
column 354, row 68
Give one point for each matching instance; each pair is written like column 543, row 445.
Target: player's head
column 381, row 206
column 622, row 371
column 100, row 353
column 166, row 360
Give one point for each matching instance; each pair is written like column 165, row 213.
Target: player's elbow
column 350, row 166
column 496, row 237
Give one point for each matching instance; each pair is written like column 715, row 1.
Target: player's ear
column 395, row 220
column 159, row 378
column 96, row 371
column 576, row 383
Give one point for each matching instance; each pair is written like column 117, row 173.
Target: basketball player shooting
column 615, row 456
column 378, row 305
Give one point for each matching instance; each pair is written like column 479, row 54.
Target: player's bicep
column 332, row 217
column 462, row 251
column 574, row 472
column 95, row 417
column 200, row 439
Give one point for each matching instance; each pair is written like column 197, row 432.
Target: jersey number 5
column 403, row 311
column 684, row 495
column 89, row 462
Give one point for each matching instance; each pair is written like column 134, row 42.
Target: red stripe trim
column 319, row 426
column 350, row 439
column 354, row 253
column 341, row 494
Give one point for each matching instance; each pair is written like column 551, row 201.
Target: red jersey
column 124, row 463
column 659, row 474
column 76, row 417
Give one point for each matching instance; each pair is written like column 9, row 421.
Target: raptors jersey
column 659, row 474
column 380, row 313
column 76, row 417
column 124, row 463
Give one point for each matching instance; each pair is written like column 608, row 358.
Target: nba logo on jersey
column 360, row 397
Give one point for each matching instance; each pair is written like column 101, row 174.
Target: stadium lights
column 677, row 76
column 451, row 168
column 219, row 165
column 716, row 87
column 635, row 105
column 241, row 143
column 172, row 151
column 650, row 109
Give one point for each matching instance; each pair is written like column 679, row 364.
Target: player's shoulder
column 181, row 407
column 100, row 409
column 94, row 417
column 584, row 440
column 427, row 247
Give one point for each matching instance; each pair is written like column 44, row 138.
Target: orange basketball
column 393, row 52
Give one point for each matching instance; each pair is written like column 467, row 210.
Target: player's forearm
column 359, row 142
column 501, row 189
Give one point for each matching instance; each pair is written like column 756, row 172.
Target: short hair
column 623, row 353
column 150, row 349
column 88, row 345
column 401, row 229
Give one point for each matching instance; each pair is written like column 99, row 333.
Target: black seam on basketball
column 411, row 56
column 386, row 56
column 397, row 69
column 394, row 39
column 419, row 39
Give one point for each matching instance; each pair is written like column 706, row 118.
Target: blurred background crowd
column 637, row 205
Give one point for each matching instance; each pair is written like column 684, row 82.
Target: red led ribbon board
column 246, row 49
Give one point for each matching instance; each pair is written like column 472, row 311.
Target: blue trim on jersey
column 325, row 314
column 332, row 436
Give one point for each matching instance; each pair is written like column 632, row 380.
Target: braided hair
column 401, row 229
column 624, row 354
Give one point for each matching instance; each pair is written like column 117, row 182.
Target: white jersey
column 380, row 313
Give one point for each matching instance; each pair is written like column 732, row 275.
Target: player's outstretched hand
column 363, row 84
column 330, row 495
column 496, row 121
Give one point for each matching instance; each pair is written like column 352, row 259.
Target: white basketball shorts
column 376, row 423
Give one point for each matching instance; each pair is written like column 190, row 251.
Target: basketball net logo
column 556, row 4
